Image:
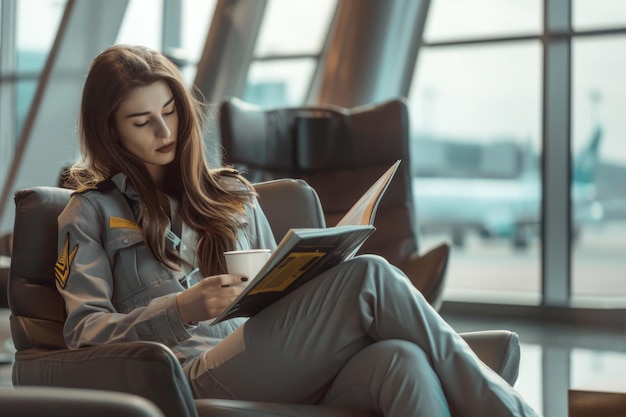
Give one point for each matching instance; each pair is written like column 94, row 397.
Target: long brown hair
column 212, row 209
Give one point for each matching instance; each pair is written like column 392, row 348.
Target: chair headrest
column 312, row 138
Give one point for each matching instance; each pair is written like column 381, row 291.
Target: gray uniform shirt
column 115, row 290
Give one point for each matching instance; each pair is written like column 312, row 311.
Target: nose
column 161, row 129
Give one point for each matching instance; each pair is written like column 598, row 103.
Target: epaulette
column 104, row 185
column 232, row 172
column 82, row 190
column 231, row 180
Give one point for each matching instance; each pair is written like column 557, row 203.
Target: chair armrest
column 498, row 349
column 235, row 408
column 427, row 272
column 63, row 402
column 146, row 369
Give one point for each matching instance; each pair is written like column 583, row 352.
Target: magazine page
column 302, row 255
column 364, row 210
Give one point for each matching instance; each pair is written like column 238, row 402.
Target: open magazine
column 305, row 253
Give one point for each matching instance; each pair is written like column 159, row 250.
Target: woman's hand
column 209, row 297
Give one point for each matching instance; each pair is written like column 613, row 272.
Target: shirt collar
column 123, row 184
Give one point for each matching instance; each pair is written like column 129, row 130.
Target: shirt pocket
column 128, row 252
column 123, row 238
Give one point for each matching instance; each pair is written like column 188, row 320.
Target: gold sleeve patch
column 62, row 267
column 121, row 223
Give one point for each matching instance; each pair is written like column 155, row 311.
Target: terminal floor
column 557, row 356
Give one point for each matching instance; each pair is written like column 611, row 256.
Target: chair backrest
column 6, row 241
column 38, row 310
column 339, row 152
column 289, row 203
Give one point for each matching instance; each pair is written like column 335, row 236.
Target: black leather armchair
column 64, row 402
column 340, row 152
column 147, row 369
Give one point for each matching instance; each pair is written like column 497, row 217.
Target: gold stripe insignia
column 121, row 223
column 85, row 189
column 62, row 267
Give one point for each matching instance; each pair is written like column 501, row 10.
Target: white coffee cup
column 246, row 262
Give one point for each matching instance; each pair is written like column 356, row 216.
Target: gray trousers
column 359, row 335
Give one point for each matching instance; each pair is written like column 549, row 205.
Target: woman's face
column 147, row 122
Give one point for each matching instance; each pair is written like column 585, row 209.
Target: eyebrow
column 145, row 113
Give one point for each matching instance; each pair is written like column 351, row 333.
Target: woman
column 141, row 258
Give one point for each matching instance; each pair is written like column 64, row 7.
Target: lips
column 167, row 148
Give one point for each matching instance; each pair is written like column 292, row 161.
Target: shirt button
column 184, row 247
column 125, row 241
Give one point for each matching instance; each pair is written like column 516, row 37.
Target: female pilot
column 141, row 258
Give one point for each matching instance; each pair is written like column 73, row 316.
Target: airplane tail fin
column 585, row 165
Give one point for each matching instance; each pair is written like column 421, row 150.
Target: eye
column 170, row 112
column 141, row 124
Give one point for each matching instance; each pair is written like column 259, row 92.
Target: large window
column 476, row 117
column 463, row 19
column 287, row 51
column 596, row 14
column 475, row 110
column 37, row 25
column 599, row 170
column 196, row 21
column 180, row 35
column 142, row 24
column 29, row 30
